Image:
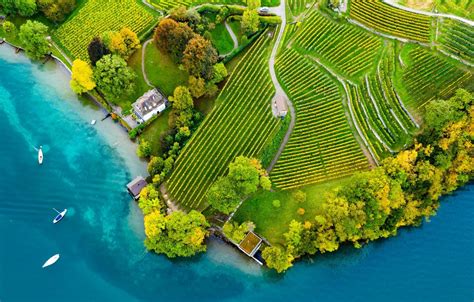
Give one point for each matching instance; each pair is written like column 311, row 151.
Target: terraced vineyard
column 430, row 76
column 457, row 38
column 241, row 124
column 99, row 16
column 299, row 6
column 349, row 49
column 166, row 5
column 390, row 20
column 322, row 146
column 379, row 111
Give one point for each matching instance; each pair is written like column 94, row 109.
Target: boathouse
column 250, row 245
column 149, row 105
column 135, row 187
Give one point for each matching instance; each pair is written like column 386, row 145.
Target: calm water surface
column 100, row 241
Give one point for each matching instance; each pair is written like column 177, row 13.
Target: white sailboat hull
column 51, row 261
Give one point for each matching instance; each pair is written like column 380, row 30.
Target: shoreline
column 116, row 137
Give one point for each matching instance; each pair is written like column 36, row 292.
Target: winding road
column 279, row 92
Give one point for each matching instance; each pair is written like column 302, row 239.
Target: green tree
column 8, row 27
column 199, row 58
column 237, row 232
column 176, row 235
column 254, row 4
column 24, row 8
column 33, row 38
column 56, row 10
column 144, row 149
column 156, row 165
column 277, row 258
column 222, row 196
column 299, row 196
column 250, row 21
column 113, row 76
column 245, row 176
column 182, row 104
column 197, row 86
column 149, row 200
column 220, row 73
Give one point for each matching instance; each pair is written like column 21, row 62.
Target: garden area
column 272, row 211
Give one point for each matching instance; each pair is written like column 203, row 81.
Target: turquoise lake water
column 100, row 240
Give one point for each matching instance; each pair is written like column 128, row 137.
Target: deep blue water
column 100, row 241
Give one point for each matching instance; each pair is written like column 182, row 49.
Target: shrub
column 276, row 203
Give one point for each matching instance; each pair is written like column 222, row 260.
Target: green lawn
column 221, row 39
column 153, row 132
column 273, row 222
column 162, row 71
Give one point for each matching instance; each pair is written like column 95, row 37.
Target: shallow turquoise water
column 100, row 241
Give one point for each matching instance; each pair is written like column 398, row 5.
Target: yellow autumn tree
column 82, row 79
column 131, row 41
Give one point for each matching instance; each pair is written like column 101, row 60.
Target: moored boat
column 40, row 155
column 60, row 215
column 51, row 261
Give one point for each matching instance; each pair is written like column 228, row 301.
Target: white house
column 148, row 105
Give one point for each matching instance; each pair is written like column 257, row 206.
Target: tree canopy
column 245, row 176
column 82, row 78
column 149, row 200
column 24, row 8
column 250, row 21
column 176, row 235
column 56, row 10
column 113, row 76
column 199, row 57
column 172, row 37
column 123, row 43
column 33, row 38
column 97, row 49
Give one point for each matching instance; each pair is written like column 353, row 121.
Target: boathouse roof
column 135, row 186
column 250, row 244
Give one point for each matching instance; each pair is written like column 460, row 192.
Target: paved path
column 233, row 36
column 416, row 11
column 279, row 92
column 145, row 77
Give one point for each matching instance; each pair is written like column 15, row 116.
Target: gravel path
column 279, row 92
column 232, row 35
column 145, row 77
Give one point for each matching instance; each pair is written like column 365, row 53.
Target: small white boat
column 51, row 261
column 60, row 215
column 93, row 122
column 40, row 155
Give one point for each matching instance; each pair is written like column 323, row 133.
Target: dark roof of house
column 250, row 243
column 136, row 185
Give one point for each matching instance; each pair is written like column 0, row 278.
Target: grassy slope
column 273, row 222
column 221, row 39
column 153, row 132
column 162, row 71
